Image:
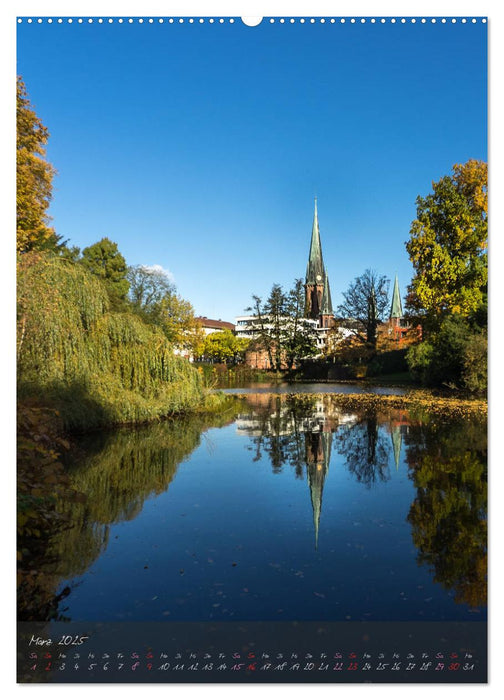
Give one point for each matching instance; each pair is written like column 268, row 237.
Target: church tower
column 326, row 309
column 318, row 303
column 396, row 312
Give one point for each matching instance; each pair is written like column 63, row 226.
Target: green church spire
column 326, row 305
column 315, row 267
column 396, row 309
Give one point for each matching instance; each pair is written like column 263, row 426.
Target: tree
column 34, row 177
column 176, row 318
column 105, row 261
column 154, row 297
column 447, row 245
column 366, row 301
column 279, row 326
column 72, row 253
column 475, row 363
column 275, row 311
column 147, row 287
column 301, row 335
column 261, row 327
column 224, row 346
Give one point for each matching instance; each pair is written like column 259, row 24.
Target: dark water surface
column 284, row 508
column 313, row 388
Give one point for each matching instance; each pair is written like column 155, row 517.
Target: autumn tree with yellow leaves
column 448, row 294
column 448, row 243
column 34, row 175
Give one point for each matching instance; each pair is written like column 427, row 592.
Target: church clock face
column 319, row 277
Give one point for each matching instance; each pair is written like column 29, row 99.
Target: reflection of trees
column 449, row 513
column 294, row 430
column 119, row 472
column 366, row 449
column 279, row 427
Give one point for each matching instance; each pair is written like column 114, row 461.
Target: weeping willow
column 99, row 367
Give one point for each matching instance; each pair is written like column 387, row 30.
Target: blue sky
column 200, row 148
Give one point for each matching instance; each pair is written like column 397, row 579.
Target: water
column 284, row 508
column 313, row 388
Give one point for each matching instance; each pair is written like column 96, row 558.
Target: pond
column 283, row 508
column 313, row 388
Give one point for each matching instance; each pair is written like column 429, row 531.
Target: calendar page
column 252, row 349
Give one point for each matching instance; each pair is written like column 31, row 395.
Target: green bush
column 390, row 362
column 475, row 372
column 455, row 356
column 419, row 358
column 449, row 346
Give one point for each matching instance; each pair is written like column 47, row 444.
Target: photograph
column 251, row 349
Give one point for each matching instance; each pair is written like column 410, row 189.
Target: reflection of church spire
column 318, row 455
column 396, row 444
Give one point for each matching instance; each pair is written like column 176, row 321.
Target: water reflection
column 297, row 431
column 447, row 464
column 375, row 483
column 118, row 471
column 312, row 388
column 366, row 449
column 318, row 456
column 449, row 513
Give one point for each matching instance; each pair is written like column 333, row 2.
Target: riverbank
column 417, row 399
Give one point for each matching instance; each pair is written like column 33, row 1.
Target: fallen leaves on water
column 415, row 399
